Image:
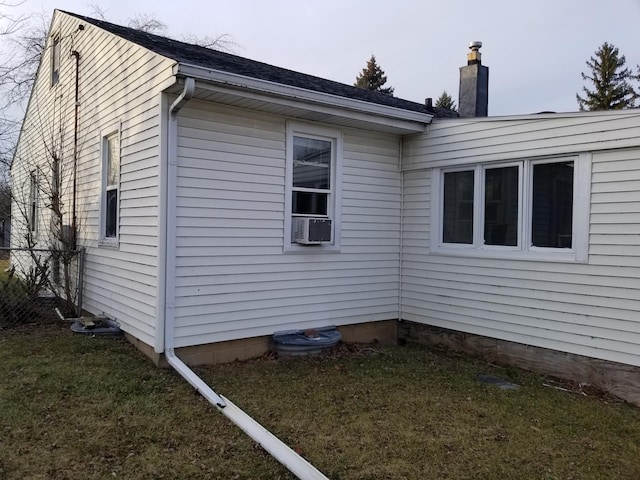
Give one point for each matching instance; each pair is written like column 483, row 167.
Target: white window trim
column 580, row 225
column 56, row 41
column 34, row 203
column 479, row 198
column 334, row 205
column 104, row 241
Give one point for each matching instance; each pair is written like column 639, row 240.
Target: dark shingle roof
column 215, row 60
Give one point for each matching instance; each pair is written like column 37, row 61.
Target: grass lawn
column 75, row 407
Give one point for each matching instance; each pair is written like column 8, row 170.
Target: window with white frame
column 313, row 186
column 527, row 208
column 55, row 60
column 110, row 187
column 32, row 214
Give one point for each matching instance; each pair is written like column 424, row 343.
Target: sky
column 535, row 50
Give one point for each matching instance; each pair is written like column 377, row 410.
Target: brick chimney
column 473, row 98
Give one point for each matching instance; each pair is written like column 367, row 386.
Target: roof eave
column 272, row 89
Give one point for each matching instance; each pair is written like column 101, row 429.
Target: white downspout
column 401, row 256
column 272, row 444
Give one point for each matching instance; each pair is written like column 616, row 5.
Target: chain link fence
column 34, row 283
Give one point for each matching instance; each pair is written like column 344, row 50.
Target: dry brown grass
column 75, row 407
column 418, row 413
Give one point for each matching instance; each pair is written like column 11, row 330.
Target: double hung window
column 109, row 222
column 55, row 60
column 311, row 188
column 32, row 215
column 313, row 166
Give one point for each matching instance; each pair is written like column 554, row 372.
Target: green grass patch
column 416, row 413
column 76, row 407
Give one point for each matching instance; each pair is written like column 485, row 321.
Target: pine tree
column 373, row 78
column 445, row 101
column 611, row 80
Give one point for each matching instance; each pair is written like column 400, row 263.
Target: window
column 110, row 187
column 33, row 202
column 552, row 212
column 55, row 60
column 529, row 208
column 458, row 207
column 501, row 206
column 313, row 180
column 311, row 187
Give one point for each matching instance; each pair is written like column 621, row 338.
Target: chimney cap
column 474, row 56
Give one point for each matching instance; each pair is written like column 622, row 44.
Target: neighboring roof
column 195, row 55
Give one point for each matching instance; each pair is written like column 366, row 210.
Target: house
column 221, row 199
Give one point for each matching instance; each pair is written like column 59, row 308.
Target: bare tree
column 45, row 229
column 148, row 23
column 27, row 47
column 42, row 167
column 9, row 23
column 9, row 26
column 223, row 42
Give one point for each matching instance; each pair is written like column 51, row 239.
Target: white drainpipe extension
column 272, row 444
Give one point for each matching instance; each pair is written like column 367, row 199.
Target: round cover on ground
column 305, row 342
column 98, row 326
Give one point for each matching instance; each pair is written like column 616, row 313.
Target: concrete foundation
column 383, row 333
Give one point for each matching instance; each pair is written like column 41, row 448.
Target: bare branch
column 223, row 43
column 9, row 24
column 148, row 23
column 97, row 12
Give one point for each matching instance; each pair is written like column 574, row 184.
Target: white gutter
column 272, row 88
column 272, row 444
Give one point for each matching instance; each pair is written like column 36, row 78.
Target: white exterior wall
column 590, row 309
column 123, row 282
column 232, row 278
column 119, row 86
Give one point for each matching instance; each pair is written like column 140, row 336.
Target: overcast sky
column 535, row 50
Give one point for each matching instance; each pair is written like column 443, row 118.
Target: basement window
column 534, row 209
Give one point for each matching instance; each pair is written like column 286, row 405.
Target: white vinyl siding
column 119, row 83
column 123, row 283
column 232, row 278
column 475, row 140
column 588, row 309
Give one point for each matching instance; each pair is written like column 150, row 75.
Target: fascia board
column 297, row 93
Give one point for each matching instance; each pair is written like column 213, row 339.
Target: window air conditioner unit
column 311, row 231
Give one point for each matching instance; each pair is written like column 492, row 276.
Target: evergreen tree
column 373, row 78
column 611, row 80
column 445, row 101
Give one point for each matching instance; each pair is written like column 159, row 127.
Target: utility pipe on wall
column 74, row 223
column 272, row 444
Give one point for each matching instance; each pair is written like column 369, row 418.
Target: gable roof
column 194, row 55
